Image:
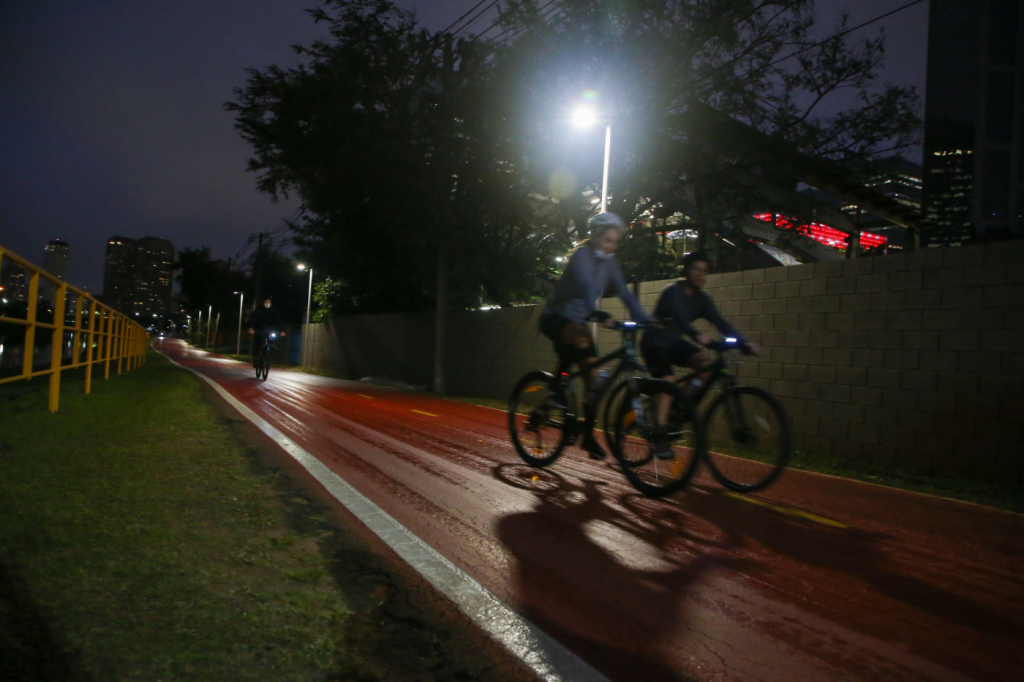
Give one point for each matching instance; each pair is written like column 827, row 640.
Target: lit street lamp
column 309, row 301
column 238, row 346
column 585, row 117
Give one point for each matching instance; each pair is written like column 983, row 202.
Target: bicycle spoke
column 748, row 439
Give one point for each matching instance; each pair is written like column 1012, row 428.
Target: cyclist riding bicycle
column 591, row 268
column 679, row 305
column 264, row 321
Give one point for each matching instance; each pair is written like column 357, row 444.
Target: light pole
column 309, row 301
column 238, row 346
column 585, row 117
column 209, row 326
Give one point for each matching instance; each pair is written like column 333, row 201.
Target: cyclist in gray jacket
column 591, row 269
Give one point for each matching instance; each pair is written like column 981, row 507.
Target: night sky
column 112, row 119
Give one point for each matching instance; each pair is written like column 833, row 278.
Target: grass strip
column 141, row 540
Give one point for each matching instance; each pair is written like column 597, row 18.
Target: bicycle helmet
column 600, row 223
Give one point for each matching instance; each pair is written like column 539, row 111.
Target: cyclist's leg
column 575, row 339
column 257, row 347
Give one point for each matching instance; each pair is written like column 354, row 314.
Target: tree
column 395, row 156
column 206, row 282
column 404, row 146
column 656, row 67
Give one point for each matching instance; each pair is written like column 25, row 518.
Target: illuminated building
column 137, row 278
column 55, row 258
column 972, row 144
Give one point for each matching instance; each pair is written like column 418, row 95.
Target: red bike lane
column 817, row 578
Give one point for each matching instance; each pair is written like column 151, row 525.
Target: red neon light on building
column 829, row 236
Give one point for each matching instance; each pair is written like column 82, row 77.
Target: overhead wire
column 479, row 14
column 515, row 33
column 454, row 23
column 847, row 31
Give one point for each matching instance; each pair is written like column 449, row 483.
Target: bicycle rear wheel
column 539, row 421
column 748, row 439
column 679, row 438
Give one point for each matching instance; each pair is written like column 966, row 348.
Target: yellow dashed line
column 426, row 413
column 363, row 395
column 789, row 510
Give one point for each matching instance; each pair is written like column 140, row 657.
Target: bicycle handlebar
column 728, row 344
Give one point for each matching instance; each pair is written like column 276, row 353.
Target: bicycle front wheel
column 539, row 422
column 658, row 455
column 748, row 439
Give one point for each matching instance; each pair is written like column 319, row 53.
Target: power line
column 847, row 31
column 473, row 9
column 516, row 33
column 478, row 15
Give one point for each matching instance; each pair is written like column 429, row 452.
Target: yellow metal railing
column 100, row 334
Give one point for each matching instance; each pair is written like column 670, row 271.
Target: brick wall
column 908, row 360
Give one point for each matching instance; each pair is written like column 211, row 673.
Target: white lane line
column 535, row 648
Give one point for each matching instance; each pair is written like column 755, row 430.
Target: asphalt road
column 817, row 578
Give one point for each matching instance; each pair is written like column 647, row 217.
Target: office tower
column 138, row 275
column 55, row 258
column 973, row 185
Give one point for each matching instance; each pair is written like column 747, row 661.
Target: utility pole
column 257, row 269
column 441, row 300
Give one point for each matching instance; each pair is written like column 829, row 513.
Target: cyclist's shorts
column 551, row 326
column 660, row 357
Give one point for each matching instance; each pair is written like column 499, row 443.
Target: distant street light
column 584, row 117
column 238, row 345
column 209, row 325
column 309, row 301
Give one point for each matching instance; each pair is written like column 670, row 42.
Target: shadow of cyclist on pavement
column 621, row 612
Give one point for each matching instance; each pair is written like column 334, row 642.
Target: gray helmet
column 600, row 223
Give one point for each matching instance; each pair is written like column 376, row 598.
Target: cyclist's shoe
column 592, row 448
column 661, row 446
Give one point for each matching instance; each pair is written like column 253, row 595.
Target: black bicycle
column 544, row 408
column 261, row 355
column 746, row 434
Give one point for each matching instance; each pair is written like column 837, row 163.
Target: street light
column 309, row 301
column 209, row 326
column 584, row 117
column 241, row 299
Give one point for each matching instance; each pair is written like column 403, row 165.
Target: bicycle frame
column 628, row 361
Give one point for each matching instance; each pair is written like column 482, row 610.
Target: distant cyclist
column 263, row 321
column 591, row 268
column 679, row 305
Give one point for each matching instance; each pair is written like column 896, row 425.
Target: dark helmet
column 691, row 258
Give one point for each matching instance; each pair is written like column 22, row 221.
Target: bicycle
column 543, row 415
column 261, row 355
column 746, row 442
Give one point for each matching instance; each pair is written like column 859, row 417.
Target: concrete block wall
column 912, row 360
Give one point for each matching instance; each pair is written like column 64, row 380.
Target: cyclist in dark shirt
column 590, row 270
column 680, row 304
column 264, row 320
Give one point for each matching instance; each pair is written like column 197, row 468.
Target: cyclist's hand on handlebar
column 598, row 316
column 610, row 323
column 282, row 333
column 750, row 349
column 703, row 340
column 251, row 330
